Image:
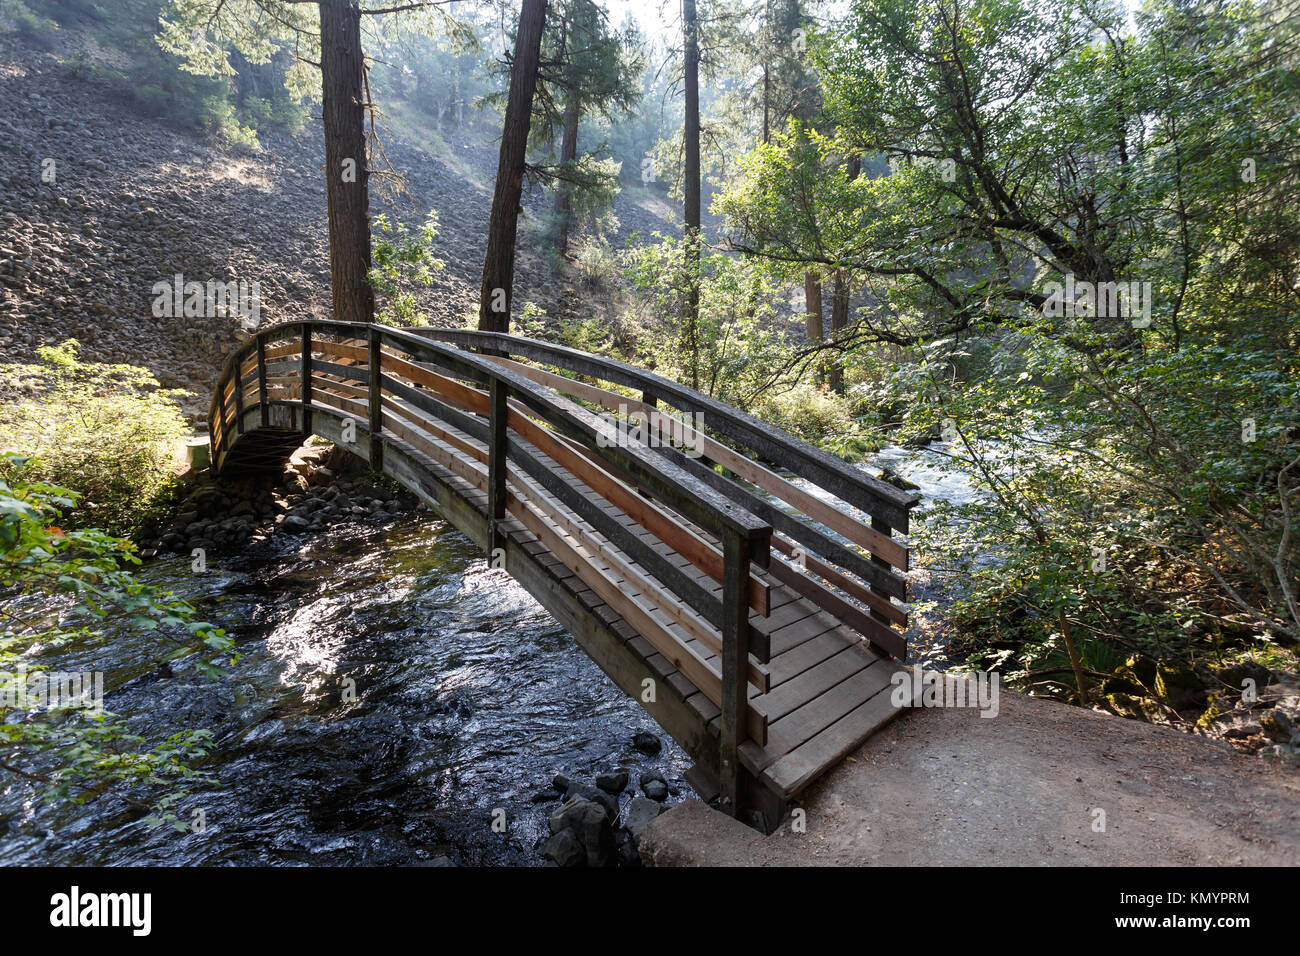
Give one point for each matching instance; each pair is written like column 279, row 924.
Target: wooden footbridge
column 754, row 616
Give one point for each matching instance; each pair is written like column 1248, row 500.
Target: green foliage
column 402, row 261
column 817, row 415
column 108, row 430
column 596, row 261
column 36, row 29
column 741, row 344
column 1044, row 142
column 60, row 587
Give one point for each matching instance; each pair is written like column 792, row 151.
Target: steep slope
column 98, row 204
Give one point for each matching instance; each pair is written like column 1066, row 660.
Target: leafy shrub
column 816, row 415
column 597, row 264
column 152, row 100
column 109, row 431
column 35, row 29
column 75, row 751
column 402, row 262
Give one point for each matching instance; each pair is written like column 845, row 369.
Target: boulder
column 647, row 743
column 564, row 849
column 638, row 814
column 614, row 783
column 589, row 823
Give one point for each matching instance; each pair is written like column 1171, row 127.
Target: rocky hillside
column 97, row 204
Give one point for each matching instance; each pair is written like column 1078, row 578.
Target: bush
column 597, row 264
column 816, row 415
column 402, row 262
column 35, row 29
column 71, row 747
column 108, row 431
column 152, row 100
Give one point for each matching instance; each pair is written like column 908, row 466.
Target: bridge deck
column 601, row 542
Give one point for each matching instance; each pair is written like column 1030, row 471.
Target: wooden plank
column 815, row 681
column 861, row 565
column 625, row 535
column 883, row 636
column 812, row 718
column 357, row 353
column 375, row 400
column 879, row 603
column 735, row 655
column 697, row 670
column 868, row 494
column 669, row 528
column 464, row 395
column 796, row 770
column 746, row 468
column 662, row 599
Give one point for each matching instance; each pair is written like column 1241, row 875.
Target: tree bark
column 568, row 153
column 691, row 188
column 812, row 297
column 346, row 175
column 839, row 322
column 503, row 224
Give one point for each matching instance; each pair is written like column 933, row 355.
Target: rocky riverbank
column 319, row 488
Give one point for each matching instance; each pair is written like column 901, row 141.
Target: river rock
column 647, row 743
column 614, row 783
column 654, row 786
column 589, row 822
column 638, row 814
column 565, row 849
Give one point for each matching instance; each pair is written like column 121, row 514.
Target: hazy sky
column 658, row 18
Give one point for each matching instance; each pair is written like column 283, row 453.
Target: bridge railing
column 853, row 567
column 541, row 459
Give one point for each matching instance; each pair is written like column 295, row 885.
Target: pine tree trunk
column 564, row 195
column 346, row 176
column 503, row 224
column 691, row 187
column 812, row 296
column 839, row 322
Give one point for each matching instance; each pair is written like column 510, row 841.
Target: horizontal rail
column 834, row 589
column 871, row 495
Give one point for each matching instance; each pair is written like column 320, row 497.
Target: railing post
column 879, row 524
column 261, row 382
column 374, row 361
column 239, row 396
column 735, row 664
column 498, row 411
column 305, row 396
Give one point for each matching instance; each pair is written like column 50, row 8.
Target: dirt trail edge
column 947, row 787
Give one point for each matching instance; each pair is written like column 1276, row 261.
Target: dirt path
column 940, row 787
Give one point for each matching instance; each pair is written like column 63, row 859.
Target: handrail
column 800, row 538
column 745, row 538
column 702, row 504
column 871, row 495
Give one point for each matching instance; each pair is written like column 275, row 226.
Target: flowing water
column 468, row 699
column 394, row 697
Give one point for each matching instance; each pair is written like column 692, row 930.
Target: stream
column 393, row 697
